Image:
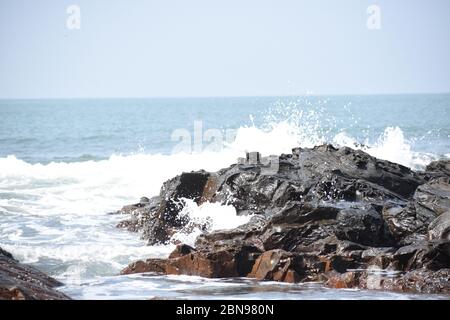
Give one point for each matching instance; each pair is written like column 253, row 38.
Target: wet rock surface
column 322, row 214
column 21, row 282
column 421, row 280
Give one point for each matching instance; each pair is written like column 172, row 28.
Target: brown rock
column 149, row 265
column 277, row 265
column 342, row 281
column 291, row 277
column 212, row 265
column 181, row 250
column 210, row 188
column 232, row 261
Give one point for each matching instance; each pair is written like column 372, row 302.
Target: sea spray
column 205, row 218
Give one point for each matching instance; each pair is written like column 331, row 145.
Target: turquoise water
column 77, row 130
column 65, row 164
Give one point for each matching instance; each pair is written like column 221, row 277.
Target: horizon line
column 229, row 96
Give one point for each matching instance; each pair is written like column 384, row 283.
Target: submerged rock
column 316, row 215
column 20, row 282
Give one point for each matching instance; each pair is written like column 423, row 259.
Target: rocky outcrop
column 320, row 214
column 20, row 282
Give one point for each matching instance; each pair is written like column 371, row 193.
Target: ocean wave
column 391, row 145
column 91, row 186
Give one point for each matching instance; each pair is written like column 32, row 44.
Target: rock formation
column 334, row 215
column 21, row 282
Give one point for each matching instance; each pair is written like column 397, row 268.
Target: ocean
column 66, row 164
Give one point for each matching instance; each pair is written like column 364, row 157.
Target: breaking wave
column 91, row 186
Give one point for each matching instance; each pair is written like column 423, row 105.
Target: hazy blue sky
column 131, row 48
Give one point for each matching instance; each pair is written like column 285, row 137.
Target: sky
column 181, row 48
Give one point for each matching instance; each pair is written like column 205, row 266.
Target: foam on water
column 207, row 217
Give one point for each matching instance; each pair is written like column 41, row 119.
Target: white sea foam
column 205, row 218
column 391, row 145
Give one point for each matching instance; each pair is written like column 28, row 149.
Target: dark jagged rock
column 433, row 198
column 410, row 223
column 139, row 213
column 307, row 225
column 312, row 175
column 439, row 228
column 433, row 255
column 5, row 254
column 149, row 265
column 439, row 168
column 158, row 219
column 317, row 214
column 20, row 282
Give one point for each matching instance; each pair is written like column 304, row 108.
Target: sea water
column 66, row 164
